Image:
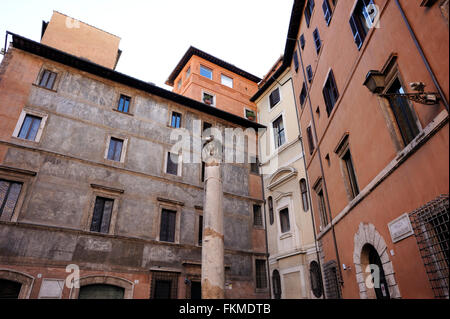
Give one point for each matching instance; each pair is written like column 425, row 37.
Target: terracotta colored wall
column 81, row 40
column 358, row 112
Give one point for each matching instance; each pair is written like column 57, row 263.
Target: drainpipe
column 422, row 54
column 267, row 241
column 320, row 162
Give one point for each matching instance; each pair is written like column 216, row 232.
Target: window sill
column 285, row 236
column 24, row 141
column 43, row 87
column 124, row 113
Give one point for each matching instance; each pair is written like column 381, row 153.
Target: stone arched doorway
column 16, row 284
column 105, row 283
column 370, row 248
column 371, row 260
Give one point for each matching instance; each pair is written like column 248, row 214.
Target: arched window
column 304, row 191
column 316, row 279
column 276, row 284
column 270, row 203
column 101, row 291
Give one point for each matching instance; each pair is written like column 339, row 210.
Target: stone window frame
column 214, row 103
column 105, row 192
column 104, row 280
column 117, row 95
column 276, row 104
column 183, row 117
column 51, row 68
column 318, row 187
column 263, row 224
column 172, row 206
column 18, row 176
column 28, row 111
column 276, row 148
column 180, row 165
column 198, row 213
column 260, row 290
column 392, row 72
column 341, row 150
column 229, row 77
column 27, row 281
column 123, row 156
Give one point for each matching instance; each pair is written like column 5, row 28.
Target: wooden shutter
column 9, row 194
column 101, row 218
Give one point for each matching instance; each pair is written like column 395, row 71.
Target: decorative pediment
column 281, row 176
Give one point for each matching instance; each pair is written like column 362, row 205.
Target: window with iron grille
column 168, row 224
column 317, row 40
column 124, row 104
column 330, row 93
column 9, row 195
column 278, row 130
column 257, row 215
column 261, row 278
column 302, row 41
column 309, row 11
column 303, row 95
column 316, row 279
column 274, row 98
column 270, row 204
column 30, row 127
column 176, row 120
column 115, row 149
column 164, row 285
column 309, row 73
column 276, row 284
column 284, row 221
column 304, row 192
column 332, row 281
column 361, row 21
column 296, row 63
column 431, row 228
column 101, row 218
column 48, row 79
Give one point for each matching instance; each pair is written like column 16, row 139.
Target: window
column 164, row 285
column 261, row 279
column 48, row 79
column 270, row 204
column 250, row 115
column 296, row 63
column 176, row 120
column 303, row 95
column 302, row 41
column 330, row 93
column 403, row 113
column 206, row 72
column 100, row 291
column 322, row 208
column 115, row 149
column 317, row 40
column 9, row 195
column 172, row 163
column 332, row 282
column 309, row 11
column 180, row 83
column 351, row 176
column 188, row 73
column 309, row 73
column 254, row 165
column 30, row 127
column 327, row 11
column 311, row 144
column 257, row 215
column 276, row 284
column 167, row 226
column 284, row 221
column 200, row 230
column 227, row 81
column 209, row 99
column 101, row 218
column 361, row 21
column 124, row 104
column 274, row 98
column 278, row 128
column 304, row 192
column 316, row 279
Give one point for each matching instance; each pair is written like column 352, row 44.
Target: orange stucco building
column 377, row 158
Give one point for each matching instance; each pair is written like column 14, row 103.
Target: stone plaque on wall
column 51, row 289
column 400, row 228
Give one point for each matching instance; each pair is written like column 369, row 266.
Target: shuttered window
column 308, row 11
column 274, row 98
column 30, row 127
column 48, row 79
column 9, row 195
column 167, row 227
column 317, row 40
column 101, row 218
column 296, row 63
column 115, row 149
column 303, row 95
column 326, row 11
column 361, row 21
column 261, row 278
column 284, row 221
column 330, row 93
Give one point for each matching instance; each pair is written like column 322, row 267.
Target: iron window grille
column 332, row 281
column 115, row 149
column 261, row 279
column 257, row 215
column 164, row 285
column 431, row 228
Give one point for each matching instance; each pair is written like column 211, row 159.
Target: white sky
column 250, row 34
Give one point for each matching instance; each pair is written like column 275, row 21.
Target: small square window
column 176, row 120
column 209, row 99
column 206, row 72
column 250, row 115
column 30, row 127
column 124, row 104
column 48, row 79
column 227, row 81
column 115, row 149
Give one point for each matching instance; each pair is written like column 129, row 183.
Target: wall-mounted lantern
column 375, row 82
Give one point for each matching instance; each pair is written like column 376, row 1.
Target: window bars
column 431, row 228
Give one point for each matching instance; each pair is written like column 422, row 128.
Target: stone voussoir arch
column 20, row 277
column 367, row 234
column 127, row 285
